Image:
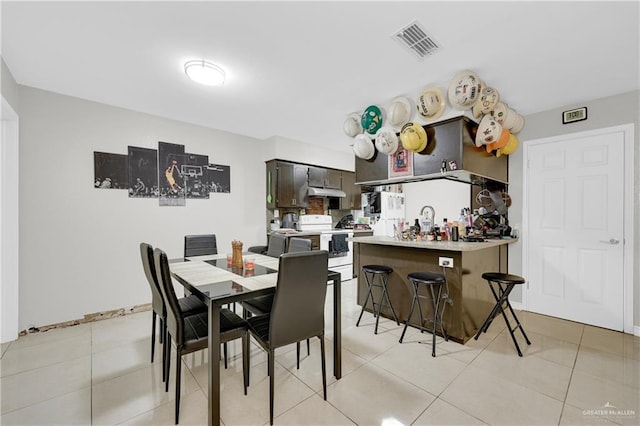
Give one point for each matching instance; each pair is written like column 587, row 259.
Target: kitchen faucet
column 430, row 217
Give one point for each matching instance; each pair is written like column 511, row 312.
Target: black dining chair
column 297, row 244
column 200, row 245
column 189, row 305
column 297, row 312
column 203, row 245
column 277, row 245
column 191, row 333
column 262, row 304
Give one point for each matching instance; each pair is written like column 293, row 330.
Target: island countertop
column 459, row 246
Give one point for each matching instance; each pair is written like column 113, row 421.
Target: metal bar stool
column 370, row 273
column 504, row 283
column 434, row 282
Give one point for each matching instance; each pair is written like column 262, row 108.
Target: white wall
column 79, row 245
column 9, row 219
column 289, row 149
column 445, row 196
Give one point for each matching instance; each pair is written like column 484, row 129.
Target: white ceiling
column 296, row 69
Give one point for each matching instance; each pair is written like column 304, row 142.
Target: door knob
column 611, row 241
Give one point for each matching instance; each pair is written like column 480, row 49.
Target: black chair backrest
column 299, row 244
column 298, row 305
column 174, row 320
column 277, row 245
column 200, row 245
column 149, row 266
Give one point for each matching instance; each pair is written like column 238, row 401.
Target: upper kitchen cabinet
column 291, row 185
column 272, row 185
column 450, row 154
column 373, row 170
column 324, row 178
column 352, row 199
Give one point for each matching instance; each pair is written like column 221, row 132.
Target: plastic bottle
column 462, row 222
column 445, row 230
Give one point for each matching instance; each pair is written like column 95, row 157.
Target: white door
column 576, row 228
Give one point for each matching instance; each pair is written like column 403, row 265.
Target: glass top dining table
column 216, row 283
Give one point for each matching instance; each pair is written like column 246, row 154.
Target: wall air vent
column 415, row 38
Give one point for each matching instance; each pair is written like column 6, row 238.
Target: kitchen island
column 471, row 298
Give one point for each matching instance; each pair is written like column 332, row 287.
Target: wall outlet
column 447, row 262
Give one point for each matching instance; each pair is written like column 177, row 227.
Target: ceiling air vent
column 416, row 39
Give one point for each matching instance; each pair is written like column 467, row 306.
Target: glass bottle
column 445, row 230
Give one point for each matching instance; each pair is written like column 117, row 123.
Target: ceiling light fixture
column 204, row 72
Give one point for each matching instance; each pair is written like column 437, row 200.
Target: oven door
column 340, row 250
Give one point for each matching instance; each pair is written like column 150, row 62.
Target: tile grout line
column 461, row 371
column 573, row 369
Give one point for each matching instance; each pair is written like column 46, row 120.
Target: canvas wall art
column 110, row 171
column 143, row 172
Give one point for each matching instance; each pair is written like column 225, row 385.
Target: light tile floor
column 100, row 374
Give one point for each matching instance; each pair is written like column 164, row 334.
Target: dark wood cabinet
column 316, row 177
column 333, row 179
column 287, row 185
column 352, row 201
column 450, row 154
column 272, row 185
column 320, row 177
column 291, row 185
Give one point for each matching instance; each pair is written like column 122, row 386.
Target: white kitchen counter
column 459, row 246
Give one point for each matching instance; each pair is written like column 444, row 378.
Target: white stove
column 314, row 222
column 331, row 240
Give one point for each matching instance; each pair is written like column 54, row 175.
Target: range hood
column 450, row 154
column 325, row 192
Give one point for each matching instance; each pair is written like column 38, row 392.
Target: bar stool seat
column 434, row 282
column 501, row 285
column 370, row 273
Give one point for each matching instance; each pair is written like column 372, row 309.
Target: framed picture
column 219, row 178
column 143, row 172
column 171, row 157
column 401, row 163
column 110, row 171
column 193, row 174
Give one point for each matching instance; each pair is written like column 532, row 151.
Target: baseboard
column 97, row 316
column 518, row 306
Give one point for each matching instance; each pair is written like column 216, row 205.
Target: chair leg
column 167, row 350
column 164, row 353
column 163, row 330
column 385, row 292
column 153, row 334
column 369, row 295
column 308, row 348
column 224, row 350
column 298, row 355
column 324, row 368
column 436, row 307
column 271, row 357
column 178, row 368
column 513, row 314
column 406, row 323
column 245, row 360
